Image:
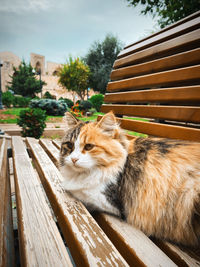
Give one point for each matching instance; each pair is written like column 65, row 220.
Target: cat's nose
column 74, row 160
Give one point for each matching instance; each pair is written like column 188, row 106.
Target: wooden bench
column 156, row 81
column 156, row 78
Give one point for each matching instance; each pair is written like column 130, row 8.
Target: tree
column 75, row 76
column 100, row 59
column 24, row 81
column 169, row 11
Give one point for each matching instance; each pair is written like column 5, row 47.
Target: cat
column 151, row 183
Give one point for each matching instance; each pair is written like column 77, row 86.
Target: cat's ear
column 108, row 123
column 70, row 119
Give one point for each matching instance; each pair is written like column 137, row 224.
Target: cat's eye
column 88, row 147
column 69, row 145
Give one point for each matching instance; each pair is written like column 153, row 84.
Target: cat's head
column 94, row 144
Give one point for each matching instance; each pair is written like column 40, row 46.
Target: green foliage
column 51, row 106
column 168, row 11
column 24, row 81
column 47, row 95
column 92, row 111
column 32, row 122
column 97, row 101
column 85, row 105
column 68, row 101
column 7, row 99
column 74, row 76
column 21, row 102
column 100, row 59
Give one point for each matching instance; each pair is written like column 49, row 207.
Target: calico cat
column 152, row 183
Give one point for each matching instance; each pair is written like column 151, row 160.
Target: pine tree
column 24, row 81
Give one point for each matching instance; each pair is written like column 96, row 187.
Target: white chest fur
column 89, row 187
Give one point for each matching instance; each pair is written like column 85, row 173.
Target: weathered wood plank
column 174, row 113
column 88, row 244
column 40, row 241
column 56, row 143
column 161, row 48
column 136, row 247
column 161, row 130
column 187, row 94
column 171, row 62
column 157, row 79
column 7, row 255
column 50, row 149
column 181, row 256
column 182, row 26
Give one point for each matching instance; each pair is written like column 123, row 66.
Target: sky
column 59, row 28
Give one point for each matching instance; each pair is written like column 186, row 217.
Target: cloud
column 21, row 6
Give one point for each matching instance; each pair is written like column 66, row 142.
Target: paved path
column 51, row 129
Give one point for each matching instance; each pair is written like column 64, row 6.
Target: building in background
column 47, row 69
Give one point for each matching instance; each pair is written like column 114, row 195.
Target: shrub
column 51, row 106
column 21, row 102
column 68, row 101
column 85, row 105
column 7, row 99
column 97, row 101
column 92, row 111
column 32, row 122
column 47, row 95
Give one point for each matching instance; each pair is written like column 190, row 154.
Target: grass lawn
column 10, row 116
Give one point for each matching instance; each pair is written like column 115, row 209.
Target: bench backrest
column 158, row 79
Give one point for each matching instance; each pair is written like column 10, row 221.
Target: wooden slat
column 40, row 241
column 174, row 113
column 88, row 244
column 56, row 143
column 181, row 256
column 175, row 61
column 50, row 149
column 7, row 255
column 160, row 130
column 173, row 44
column 136, row 247
column 188, row 94
column 178, row 28
column 157, row 79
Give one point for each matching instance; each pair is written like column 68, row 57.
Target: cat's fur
column 152, row 183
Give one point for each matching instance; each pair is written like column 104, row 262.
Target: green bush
column 47, row 95
column 68, row 101
column 97, row 101
column 21, row 102
column 85, row 105
column 51, row 106
column 92, row 111
column 7, row 99
column 32, row 122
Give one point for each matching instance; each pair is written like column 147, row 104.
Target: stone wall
column 9, row 60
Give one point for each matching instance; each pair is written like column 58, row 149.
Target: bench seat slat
column 176, row 29
column 7, row 255
column 159, row 49
column 160, row 130
column 40, row 241
column 50, row 149
column 187, row 94
column 190, row 258
column 175, row 61
column 87, row 242
column 165, row 78
column 174, row 113
column 132, row 243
